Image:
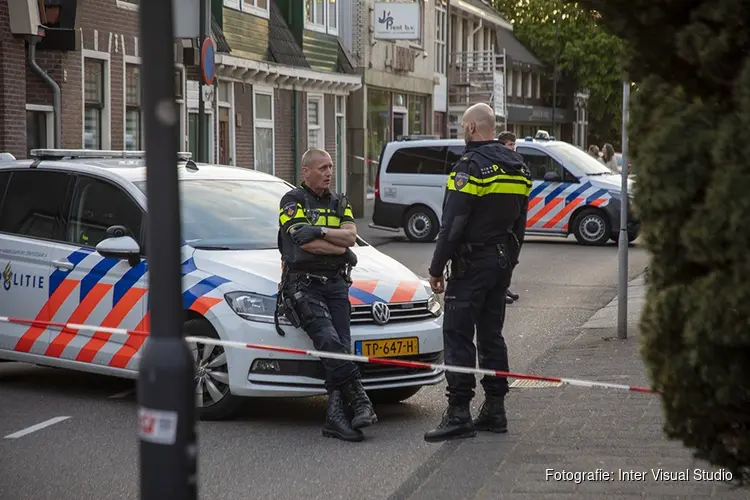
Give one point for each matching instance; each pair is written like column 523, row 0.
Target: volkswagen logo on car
column 381, row 313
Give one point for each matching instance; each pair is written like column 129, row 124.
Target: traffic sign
column 208, row 61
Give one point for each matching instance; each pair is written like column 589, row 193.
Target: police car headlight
column 434, row 304
column 253, row 306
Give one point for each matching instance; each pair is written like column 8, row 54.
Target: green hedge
column 690, row 138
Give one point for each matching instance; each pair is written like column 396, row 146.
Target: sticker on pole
column 157, row 426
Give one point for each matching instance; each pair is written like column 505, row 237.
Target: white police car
column 572, row 193
column 55, row 213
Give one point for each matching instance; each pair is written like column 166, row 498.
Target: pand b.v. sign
column 396, row 21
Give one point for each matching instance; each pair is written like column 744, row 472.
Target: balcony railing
column 471, row 78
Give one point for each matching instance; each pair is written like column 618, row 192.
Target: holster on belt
column 284, row 304
column 460, row 262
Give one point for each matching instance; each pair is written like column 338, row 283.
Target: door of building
column 399, row 124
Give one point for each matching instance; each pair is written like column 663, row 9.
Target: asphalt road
column 275, row 450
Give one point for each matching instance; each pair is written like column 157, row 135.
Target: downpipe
column 56, row 94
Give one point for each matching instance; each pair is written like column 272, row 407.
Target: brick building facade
column 266, row 94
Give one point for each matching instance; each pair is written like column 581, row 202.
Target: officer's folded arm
column 346, row 236
column 323, row 247
column 319, row 246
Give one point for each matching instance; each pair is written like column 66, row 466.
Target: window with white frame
column 94, row 108
column 441, row 17
column 128, row 4
column 179, row 91
column 322, row 15
column 315, row 120
column 133, row 112
column 340, row 143
column 224, row 128
column 530, row 85
column 40, row 128
column 257, row 7
column 263, row 129
column 509, row 81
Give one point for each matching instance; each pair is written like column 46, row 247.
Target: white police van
column 572, row 193
column 60, row 265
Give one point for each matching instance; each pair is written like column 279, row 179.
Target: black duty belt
column 317, row 275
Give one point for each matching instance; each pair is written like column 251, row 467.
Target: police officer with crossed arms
column 315, row 235
column 483, row 226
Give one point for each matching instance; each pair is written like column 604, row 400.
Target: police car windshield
column 230, row 214
column 581, row 160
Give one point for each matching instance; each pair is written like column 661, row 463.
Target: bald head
column 479, row 123
column 317, row 169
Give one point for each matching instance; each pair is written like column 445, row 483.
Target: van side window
column 539, row 163
column 454, row 154
column 34, row 204
column 418, row 160
column 97, row 206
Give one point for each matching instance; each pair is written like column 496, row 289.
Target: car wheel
column 392, row 396
column 591, row 227
column 213, row 399
column 421, row 224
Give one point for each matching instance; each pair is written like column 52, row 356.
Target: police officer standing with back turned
column 508, row 139
column 316, row 230
column 483, row 225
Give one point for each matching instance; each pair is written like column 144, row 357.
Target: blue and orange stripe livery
column 363, row 292
column 125, row 297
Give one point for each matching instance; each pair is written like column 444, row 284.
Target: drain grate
column 533, row 384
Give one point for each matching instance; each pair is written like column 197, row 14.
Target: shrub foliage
column 689, row 123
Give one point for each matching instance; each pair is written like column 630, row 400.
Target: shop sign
column 396, row 21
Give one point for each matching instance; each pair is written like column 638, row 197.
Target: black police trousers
column 325, row 313
column 475, row 300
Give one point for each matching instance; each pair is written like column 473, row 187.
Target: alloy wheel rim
column 211, row 374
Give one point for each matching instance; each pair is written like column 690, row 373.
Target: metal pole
column 448, row 64
column 505, row 88
column 201, row 148
column 554, row 81
column 166, row 391
column 622, row 302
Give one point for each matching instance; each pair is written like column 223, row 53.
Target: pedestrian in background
column 609, row 159
column 316, row 231
column 483, row 224
column 508, row 139
column 594, row 151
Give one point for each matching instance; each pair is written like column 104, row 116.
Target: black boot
column 336, row 424
column 364, row 413
column 456, row 424
column 512, row 295
column 492, row 417
column 508, row 300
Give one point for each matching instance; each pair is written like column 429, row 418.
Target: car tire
column 591, row 227
column 212, row 373
column 392, row 396
column 421, row 224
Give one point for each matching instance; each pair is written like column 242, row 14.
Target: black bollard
column 166, row 387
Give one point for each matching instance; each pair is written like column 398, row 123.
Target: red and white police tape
column 366, row 160
column 330, row 355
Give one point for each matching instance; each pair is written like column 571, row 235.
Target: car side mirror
column 552, row 177
column 120, row 247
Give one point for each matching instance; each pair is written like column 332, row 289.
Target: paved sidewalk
column 377, row 237
column 570, row 429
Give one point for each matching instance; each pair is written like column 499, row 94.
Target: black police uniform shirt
column 301, row 206
column 487, row 199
